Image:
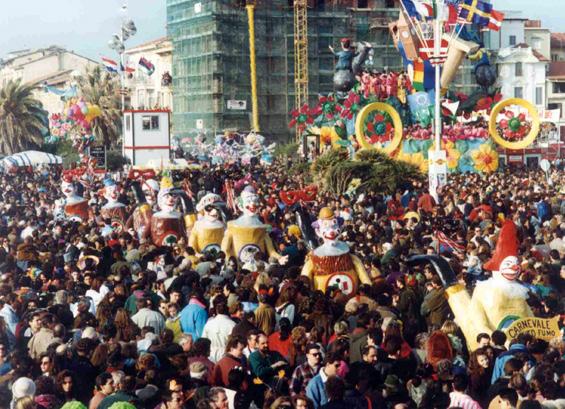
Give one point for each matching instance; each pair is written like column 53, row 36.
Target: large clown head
column 68, row 188
column 249, row 201
column 150, row 189
column 208, row 207
column 327, row 226
column 111, row 192
column 166, row 199
column 504, row 262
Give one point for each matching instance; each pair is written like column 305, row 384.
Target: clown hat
column 166, row 183
column 207, row 200
column 326, row 214
column 506, row 246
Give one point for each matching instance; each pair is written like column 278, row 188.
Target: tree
column 23, row 121
column 101, row 88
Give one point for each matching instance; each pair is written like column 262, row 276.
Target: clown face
column 111, row 193
column 211, row 214
column 167, row 202
column 68, row 189
column 328, row 230
column 149, row 192
column 249, row 203
column 510, row 268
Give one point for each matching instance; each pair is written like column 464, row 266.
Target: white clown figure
column 247, row 235
column 332, row 264
column 167, row 225
column 208, row 231
column 73, row 206
column 113, row 209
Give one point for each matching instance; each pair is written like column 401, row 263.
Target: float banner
column 542, row 328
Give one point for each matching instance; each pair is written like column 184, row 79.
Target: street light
column 117, row 43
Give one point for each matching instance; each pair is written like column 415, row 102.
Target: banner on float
column 542, row 328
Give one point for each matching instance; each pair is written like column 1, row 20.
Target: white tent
column 30, row 158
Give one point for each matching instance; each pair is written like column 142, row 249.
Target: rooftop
column 558, row 40
column 556, row 70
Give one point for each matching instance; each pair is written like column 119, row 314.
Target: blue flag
column 476, row 12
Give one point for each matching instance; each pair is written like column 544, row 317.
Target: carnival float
column 393, row 112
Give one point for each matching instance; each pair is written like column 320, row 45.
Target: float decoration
column 519, row 132
column 208, row 231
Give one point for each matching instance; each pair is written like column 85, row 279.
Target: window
column 539, row 96
column 559, row 87
column 362, row 4
column 518, row 92
column 128, row 122
column 518, row 69
column 512, row 40
column 150, row 122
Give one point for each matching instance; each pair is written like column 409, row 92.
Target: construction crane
column 300, row 58
column 300, row 55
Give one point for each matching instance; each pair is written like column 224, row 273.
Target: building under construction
column 211, row 60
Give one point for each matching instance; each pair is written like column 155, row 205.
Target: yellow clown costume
column 332, row 263
column 208, row 231
column 247, row 235
column 495, row 302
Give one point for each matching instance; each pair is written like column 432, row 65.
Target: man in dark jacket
column 435, row 307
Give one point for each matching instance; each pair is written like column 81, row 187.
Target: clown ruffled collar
column 338, row 248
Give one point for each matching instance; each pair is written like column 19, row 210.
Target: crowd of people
column 102, row 320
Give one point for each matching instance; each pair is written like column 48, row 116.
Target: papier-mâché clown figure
column 495, row 302
column 167, row 225
column 73, row 206
column 208, row 231
column 145, row 190
column 332, row 263
column 113, row 209
column 247, row 235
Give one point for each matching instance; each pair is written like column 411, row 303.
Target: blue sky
column 85, row 26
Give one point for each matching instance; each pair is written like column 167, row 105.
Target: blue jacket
column 193, row 317
column 316, row 391
column 498, row 370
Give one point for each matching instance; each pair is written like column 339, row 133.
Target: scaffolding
column 300, row 54
column 211, row 59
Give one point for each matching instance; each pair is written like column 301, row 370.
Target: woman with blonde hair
column 26, row 402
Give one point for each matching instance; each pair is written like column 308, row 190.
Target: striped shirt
column 463, row 401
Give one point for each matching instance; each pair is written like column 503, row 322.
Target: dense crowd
column 103, row 321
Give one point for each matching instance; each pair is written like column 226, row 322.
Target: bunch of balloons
column 75, row 124
column 83, row 113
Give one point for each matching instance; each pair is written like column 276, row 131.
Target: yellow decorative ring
column 396, row 121
column 529, row 139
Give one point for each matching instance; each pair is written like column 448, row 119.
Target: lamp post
column 117, row 43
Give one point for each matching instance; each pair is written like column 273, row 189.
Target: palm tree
column 23, row 121
column 101, row 88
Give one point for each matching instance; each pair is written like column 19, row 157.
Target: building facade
column 150, row 91
column 211, row 67
column 53, row 66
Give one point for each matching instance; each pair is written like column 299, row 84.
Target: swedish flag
column 476, row 12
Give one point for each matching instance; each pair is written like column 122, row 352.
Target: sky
column 85, row 26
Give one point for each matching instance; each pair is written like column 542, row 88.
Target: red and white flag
column 427, row 52
column 495, row 21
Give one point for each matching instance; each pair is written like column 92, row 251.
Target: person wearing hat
column 22, row 387
column 332, row 263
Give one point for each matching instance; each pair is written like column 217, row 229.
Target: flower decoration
column 417, row 159
column 379, row 128
column 327, row 106
column 488, row 103
column 453, row 155
column 301, row 118
column 485, row 158
column 351, row 106
column 514, row 128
